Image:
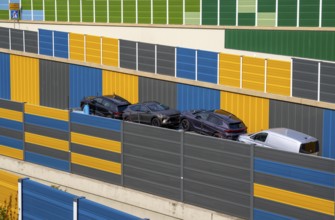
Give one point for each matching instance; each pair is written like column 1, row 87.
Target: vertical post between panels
column 196, row 65
column 265, row 74
column 24, row 131
column 151, row 12
column 9, row 15
column 218, row 16
column 10, row 38
column 43, row 6
column 182, row 165
column 70, row 140
column 136, row 56
column 241, row 72
column 81, row 11
column 68, row 10
column 32, row 10
column 167, row 11
column 319, row 79
column 218, row 69
column 38, row 42
column 175, row 61
column 276, row 13
column 24, row 40
column 252, row 156
column 56, row 19
column 122, row 155
column 320, row 14
column 298, row 13
column 291, row 81
column 93, row 11
column 155, row 58
column 53, row 43
column 200, row 12
column 118, row 53
column 236, row 16
column 256, row 16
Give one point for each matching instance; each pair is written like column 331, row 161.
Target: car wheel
column 185, row 125
column 218, row 135
column 156, row 122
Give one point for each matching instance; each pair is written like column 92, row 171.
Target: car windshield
column 121, row 108
column 236, row 125
column 155, row 107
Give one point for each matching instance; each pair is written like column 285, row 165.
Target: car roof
column 116, row 99
column 225, row 115
column 291, row 134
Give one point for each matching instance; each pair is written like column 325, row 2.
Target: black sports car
column 153, row 113
column 217, row 123
column 111, row 106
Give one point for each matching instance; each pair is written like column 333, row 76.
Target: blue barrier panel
column 45, row 42
column 261, row 215
column 84, row 81
column 207, row 66
column 194, row 97
column 61, row 44
column 328, row 138
column 186, row 63
column 4, row 75
column 95, row 121
column 43, row 202
column 26, row 15
column 47, row 161
column 91, row 210
column 47, row 122
column 38, row 15
column 11, row 142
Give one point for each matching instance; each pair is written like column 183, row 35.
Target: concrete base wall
column 131, row 201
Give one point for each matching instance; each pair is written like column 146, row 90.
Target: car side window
column 98, row 100
column 143, row 108
column 260, row 137
column 202, row 115
column 107, row 104
column 214, row 120
column 135, row 108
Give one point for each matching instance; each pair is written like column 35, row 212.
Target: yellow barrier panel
column 11, row 152
column 77, row 47
column 294, row 199
column 47, row 112
column 121, row 84
column 24, row 79
column 93, row 49
column 9, row 193
column 95, row 142
column 278, row 77
column 110, row 51
column 96, row 163
column 253, row 111
column 11, row 115
column 230, row 70
column 253, row 73
column 47, row 141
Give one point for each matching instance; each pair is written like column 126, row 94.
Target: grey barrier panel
column 96, row 174
column 295, row 159
column 287, row 210
column 54, row 84
column 158, row 90
column 44, row 131
column 11, row 133
column 62, row 155
column 166, row 60
column 96, row 132
column 16, row 39
column 16, row 106
column 327, row 82
column 294, row 186
column 30, row 41
column 146, row 57
column 128, row 54
column 305, row 79
column 303, row 118
column 152, row 160
column 217, row 174
column 4, row 38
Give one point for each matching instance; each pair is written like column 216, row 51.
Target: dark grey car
column 153, row 113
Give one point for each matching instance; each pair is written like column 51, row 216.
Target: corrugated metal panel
column 159, row 12
column 30, row 43
column 328, row 137
column 287, row 210
column 193, row 97
column 253, row 111
column 96, row 132
column 121, row 84
column 129, row 11
column 266, row 13
column 228, row 12
column 16, row 106
column 77, row 47
column 303, row 118
column 294, row 199
column 45, row 141
column 146, row 57
column 4, row 38
column 54, row 84
column 95, row 121
column 110, row 51
column 328, row 15
column 46, row 122
column 11, row 115
column 93, row 49
column 158, row 90
column 128, row 54
column 44, row 131
column 9, row 191
column 207, row 66
column 47, row 161
column 96, row 174
column 44, row 202
column 14, row 125
column 11, row 152
column 61, row 44
column 16, row 39
column 45, row 151
column 253, row 73
column 309, row 13
column 287, row 13
column 24, row 87
column 84, row 81
column 327, row 82
column 261, row 214
column 305, row 79
column 230, row 70
column 186, row 63
column 278, row 77
column 175, row 11
column 294, row 185
column 45, row 38
column 152, row 160
column 4, row 76
column 217, row 178
column 246, row 13
column 144, row 12
column 209, row 12
column 90, row 210
column 165, row 60
column 96, row 153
